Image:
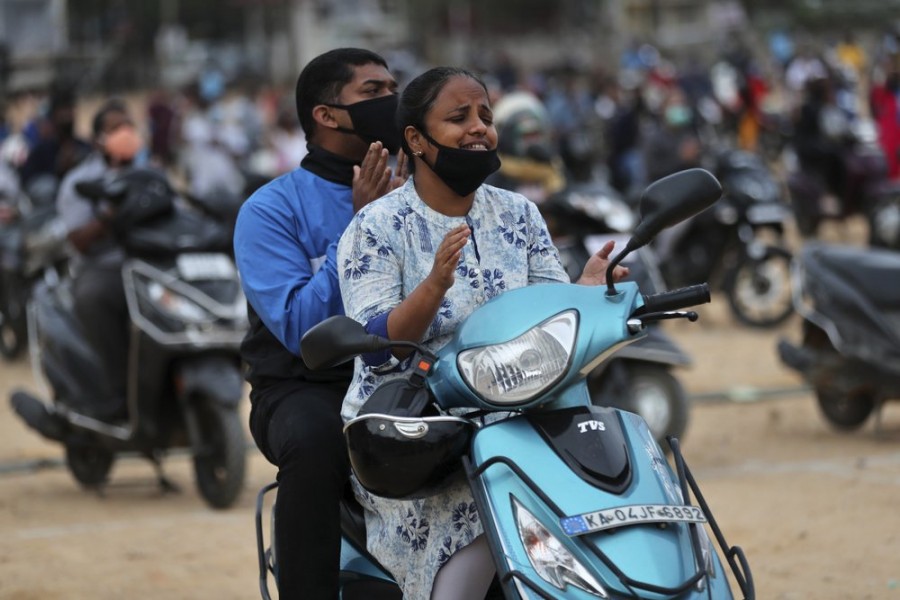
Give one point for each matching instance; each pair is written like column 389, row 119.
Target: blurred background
column 583, row 58
column 792, row 104
column 115, row 45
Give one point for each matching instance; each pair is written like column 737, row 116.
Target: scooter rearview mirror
column 666, row 202
column 336, row 340
column 673, row 199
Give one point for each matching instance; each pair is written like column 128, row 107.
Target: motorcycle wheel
column 759, row 290
column 649, row 390
column 89, row 465
column 220, row 458
column 845, row 410
column 13, row 330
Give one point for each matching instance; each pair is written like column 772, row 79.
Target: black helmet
column 396, row 451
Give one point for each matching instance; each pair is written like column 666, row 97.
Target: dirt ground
column 815, row 510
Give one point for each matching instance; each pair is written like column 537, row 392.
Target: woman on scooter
column 413, row 265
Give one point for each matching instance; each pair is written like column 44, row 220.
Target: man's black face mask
column 374, row 121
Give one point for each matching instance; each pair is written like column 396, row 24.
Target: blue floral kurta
column 387, row 250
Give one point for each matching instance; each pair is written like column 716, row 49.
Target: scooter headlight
column 176, row 305
column 551, row 560
column 516, row 371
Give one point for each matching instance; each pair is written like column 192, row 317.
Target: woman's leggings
column 467, row 575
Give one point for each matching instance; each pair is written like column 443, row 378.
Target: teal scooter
column 577, row 501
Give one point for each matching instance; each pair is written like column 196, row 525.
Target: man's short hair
column 113, row 105
column 322, row 79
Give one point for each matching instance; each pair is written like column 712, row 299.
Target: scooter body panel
column 852, row 295
column 848, row 298
column 658, row 555
column 357, row 564
column 68, row 362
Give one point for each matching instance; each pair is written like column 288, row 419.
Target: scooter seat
column 872, row 272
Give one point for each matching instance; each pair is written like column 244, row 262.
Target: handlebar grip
column 675, row 299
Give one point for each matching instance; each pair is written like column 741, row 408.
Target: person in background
column 818, row 137
column 287, row 141
column 5, row 129
column 162, row 117
column 884, row 102
column 285, row 245
column 99, row 295
column 851, row 55
column 672, row 145
column 413, row 265
column 59, row 149
column 623, row 132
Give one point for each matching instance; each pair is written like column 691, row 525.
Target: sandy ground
column 814, row 509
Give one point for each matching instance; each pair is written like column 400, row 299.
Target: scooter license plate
column 630, row 515
column 196, row 266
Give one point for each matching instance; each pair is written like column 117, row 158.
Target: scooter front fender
column 216, row 377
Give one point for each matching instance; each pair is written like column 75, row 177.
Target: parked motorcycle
column 850, row 346
column 32, row 240
column 577, row 501
column 187, row 319
column 582, row 216
column 867, row 190
column 738, row 244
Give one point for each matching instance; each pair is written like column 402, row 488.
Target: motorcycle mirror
column 666, row 202
column 673, row 199
column 336, row 340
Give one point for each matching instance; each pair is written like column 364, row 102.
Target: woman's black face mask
column 374, row 121
column 462, row 170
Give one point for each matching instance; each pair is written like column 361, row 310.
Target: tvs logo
column 591, row 425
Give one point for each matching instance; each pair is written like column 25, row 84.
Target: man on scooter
column 285, row 247
column 97, row 287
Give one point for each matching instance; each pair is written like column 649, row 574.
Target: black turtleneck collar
column 328, row 165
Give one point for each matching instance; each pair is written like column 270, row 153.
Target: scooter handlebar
column 675, row 299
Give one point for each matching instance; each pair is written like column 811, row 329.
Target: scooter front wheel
column 759, row 289
column 657, row 396
column 220, row 454
column 646, row 389
column 845, row 410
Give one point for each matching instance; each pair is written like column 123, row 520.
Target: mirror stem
column 610, row 285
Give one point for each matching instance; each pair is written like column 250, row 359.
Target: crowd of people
column 310, row 241
column 636, row 120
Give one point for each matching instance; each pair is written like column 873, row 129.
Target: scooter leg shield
column 522, row 481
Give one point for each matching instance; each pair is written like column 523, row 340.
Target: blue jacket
column 285, row 244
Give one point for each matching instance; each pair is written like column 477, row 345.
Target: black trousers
column 102, row 311
column 297, row 426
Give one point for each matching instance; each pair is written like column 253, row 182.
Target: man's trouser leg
column 303, row 438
